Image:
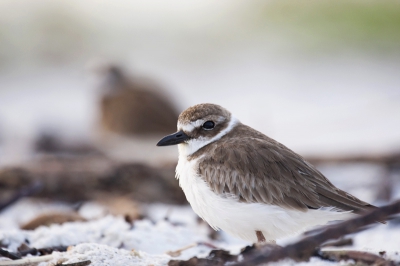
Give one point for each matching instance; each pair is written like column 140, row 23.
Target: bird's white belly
column 243, row 219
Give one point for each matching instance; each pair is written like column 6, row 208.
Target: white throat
column 193, row 145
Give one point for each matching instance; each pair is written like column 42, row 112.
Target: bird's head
column 199, row 126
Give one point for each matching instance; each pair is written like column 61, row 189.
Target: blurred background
column 321, row 77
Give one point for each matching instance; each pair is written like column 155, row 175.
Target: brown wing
column 274, row 175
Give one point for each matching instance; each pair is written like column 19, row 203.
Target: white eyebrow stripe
column 195, row 144
column 191, row 126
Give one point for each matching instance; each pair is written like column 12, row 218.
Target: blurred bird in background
column 134, row 106
column 131, row 113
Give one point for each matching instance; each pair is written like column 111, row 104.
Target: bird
column 249, row 185
column 132, row 113
column 131, row 106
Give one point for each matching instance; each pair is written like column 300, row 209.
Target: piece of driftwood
column 24, row 191
column 215, row 258
column 10, row 255
column 357, row 256
column 80, row 263
column 26, row 261
column 81, row 178
column 49, row 250
column 33, row 251
column 303, row 249
column 338, row 243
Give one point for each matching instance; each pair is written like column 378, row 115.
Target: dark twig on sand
column 23, row 192
column 9, row 255
column 49, row 250
column 80, row 263
column 357, row 256
column 303, row 249
column 32, row 251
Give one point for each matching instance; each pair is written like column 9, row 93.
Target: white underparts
column 243, row 219
column 238, row 218
column 193, row 145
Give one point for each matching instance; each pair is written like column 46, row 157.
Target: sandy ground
column 106, row 239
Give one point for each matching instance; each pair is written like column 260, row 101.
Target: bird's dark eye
column 208, row 125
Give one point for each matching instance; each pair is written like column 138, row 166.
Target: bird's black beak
column 173, row 139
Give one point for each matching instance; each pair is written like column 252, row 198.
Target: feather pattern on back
column 257, row 169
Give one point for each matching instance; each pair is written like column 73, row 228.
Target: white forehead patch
column 191, row 126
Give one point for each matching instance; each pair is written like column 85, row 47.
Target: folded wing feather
column 265, row 171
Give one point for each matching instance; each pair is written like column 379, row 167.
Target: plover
column 249, row 185
column 131, row 106
column 132, row 113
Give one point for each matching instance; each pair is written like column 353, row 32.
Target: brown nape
column 260, row 237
